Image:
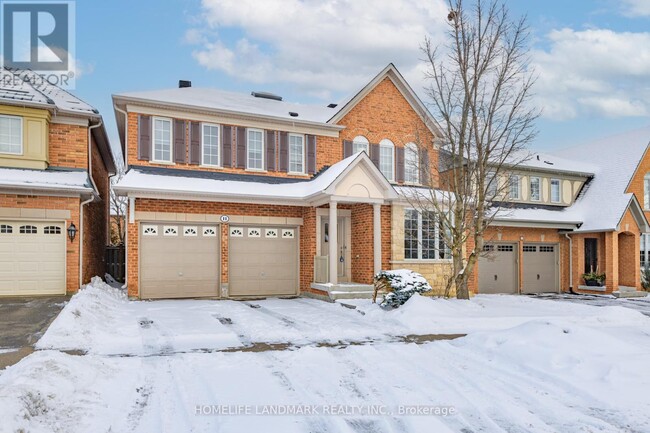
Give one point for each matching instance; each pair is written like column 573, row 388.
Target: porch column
column 376, row 208
column 333, row 243
column 611, row 261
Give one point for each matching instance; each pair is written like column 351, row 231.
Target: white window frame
column 491, row 185
column 514, row 180
column 22, row 141
column 360, row 140
column 436, row 237
column 646, row 191
column 539, row 188
column 559, row 190
column 304, row 150
column 411, row 147
column 171, row 140
column 212, row 125
column 387, row 144
column 263, row 161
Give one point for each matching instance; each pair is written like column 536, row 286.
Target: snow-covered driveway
column 526, row 365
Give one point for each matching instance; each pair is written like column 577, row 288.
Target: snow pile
column 405, row 283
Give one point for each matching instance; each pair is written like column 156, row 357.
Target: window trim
column 216, row 125
column 22, row 137
column 304, row 151
column 248, row 167
column 559, row 190
column 412, row 147
column 539, row 188
column 420, row 237
column 386, row 143
column 518, row 183
column 646, row 191
column 171, row 140
column 365, row 142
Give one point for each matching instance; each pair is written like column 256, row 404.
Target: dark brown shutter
column 180, row 141
column 144, row 137
column 226, row 146
column 311, row 154
column 270, row 150
column 241, row 147
column 347, row 148
column 195, row 143
column 374, row 154
column 399, row 164
column 424, row 167
column 284, row 151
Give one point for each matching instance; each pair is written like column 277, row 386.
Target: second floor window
column 646, row 191
column 255, row 149
column 514, row 187
column 555, row 190
column 491, row 184
column 411, row 164
column 386, row 159
column 535, row 189
column 11, row 134
column 210, row 144
column 360, row 143
column 296, row 153
column 162, row 140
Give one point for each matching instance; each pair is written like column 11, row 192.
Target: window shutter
column 374, row 154
column 347, row 148
column 195, row 143
column 311, row 154
column 399, row 164
column 270, row 150
column 144, row 137
column 284, row 151
column 424, row 167
column 226, row 146
column 241, row 147
column 180, row 141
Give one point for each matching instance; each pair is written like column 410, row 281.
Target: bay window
column 424, row 236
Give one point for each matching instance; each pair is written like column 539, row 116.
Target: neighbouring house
column 55, row 163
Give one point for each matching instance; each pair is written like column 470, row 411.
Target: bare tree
column 479, row 89
column 118, row 215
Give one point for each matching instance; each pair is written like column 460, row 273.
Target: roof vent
column 183, row 84
column 293, row 114
column 267, row 95
column 548, row 162
column 332, row 105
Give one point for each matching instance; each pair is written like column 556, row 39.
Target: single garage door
column 540, row 268
column 32, row 258
column 263, row 261
column 179, row 260
column 497, row 269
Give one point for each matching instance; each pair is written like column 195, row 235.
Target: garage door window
column 170, row 231
column 530, row 248
column 28, row 230
column 271, row 233
column 288, row 234
column 209, row 232
column 424, row 236
column 190, row 231
column 150, row 230
column 52, row 230
column 4, row 228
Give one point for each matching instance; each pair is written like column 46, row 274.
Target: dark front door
column 591, row 255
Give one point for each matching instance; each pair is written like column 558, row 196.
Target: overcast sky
column 592, row 56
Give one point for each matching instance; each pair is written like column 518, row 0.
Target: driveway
column 639, row 304
column 22, row 322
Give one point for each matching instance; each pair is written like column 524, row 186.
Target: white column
column 333, row 244
column 377, row 236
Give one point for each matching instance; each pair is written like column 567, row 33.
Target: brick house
column 55, row 163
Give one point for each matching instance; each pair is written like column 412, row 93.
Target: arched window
column 646, row 191
column 387, row 158
column 360, row 143
column 411, row 163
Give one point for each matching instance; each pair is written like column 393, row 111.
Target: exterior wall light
column 72, row 232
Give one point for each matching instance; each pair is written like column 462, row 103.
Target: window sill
column 210, row 166
column 162, row 162
column 12, row 153
column 256, row 170
column 295, row 173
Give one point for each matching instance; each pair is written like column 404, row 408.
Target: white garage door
column 263, row 261
column 541, row 268
column 497, row 269
column 32, row 258
column 179, row 260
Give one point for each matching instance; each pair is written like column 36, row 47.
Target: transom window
column 255, row 149
column 411, row 164
column 535, row 189
column 423, row 236
column 28, row 230
column 387, row 158
column 296, row 153
column 514, row 187
column 210, row 144
column 360, row 143
column 162, row 140
column 555, row 190
column 11, row 134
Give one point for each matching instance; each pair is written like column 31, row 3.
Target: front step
column 346, row 290
column 623, row 293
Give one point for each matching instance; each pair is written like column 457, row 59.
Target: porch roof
column 69, row 181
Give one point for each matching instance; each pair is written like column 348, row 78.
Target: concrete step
column 626, row 289
column 337, row 294
column 630, row 294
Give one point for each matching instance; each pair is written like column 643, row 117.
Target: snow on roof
column 546, row 161
column 137, row 181
column 28, row 88
column 72, row 180
column 236, row 102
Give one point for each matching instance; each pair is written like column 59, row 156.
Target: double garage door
column 32, row 258
column 184, row 261
column 499, row 268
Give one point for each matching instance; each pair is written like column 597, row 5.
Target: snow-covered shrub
column 645, row 278
column 400, row 284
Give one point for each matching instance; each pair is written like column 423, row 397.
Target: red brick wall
column 307, row 248
column 362, row 243
column 636, row 184
column 61, row 203
column 68, row 146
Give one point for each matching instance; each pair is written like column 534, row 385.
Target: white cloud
column 636, row 8
column 594, row 73
column 319, row 46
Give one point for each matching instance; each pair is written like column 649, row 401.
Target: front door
column 342, row 256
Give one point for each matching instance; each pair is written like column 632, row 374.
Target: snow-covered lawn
column 526, row 365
